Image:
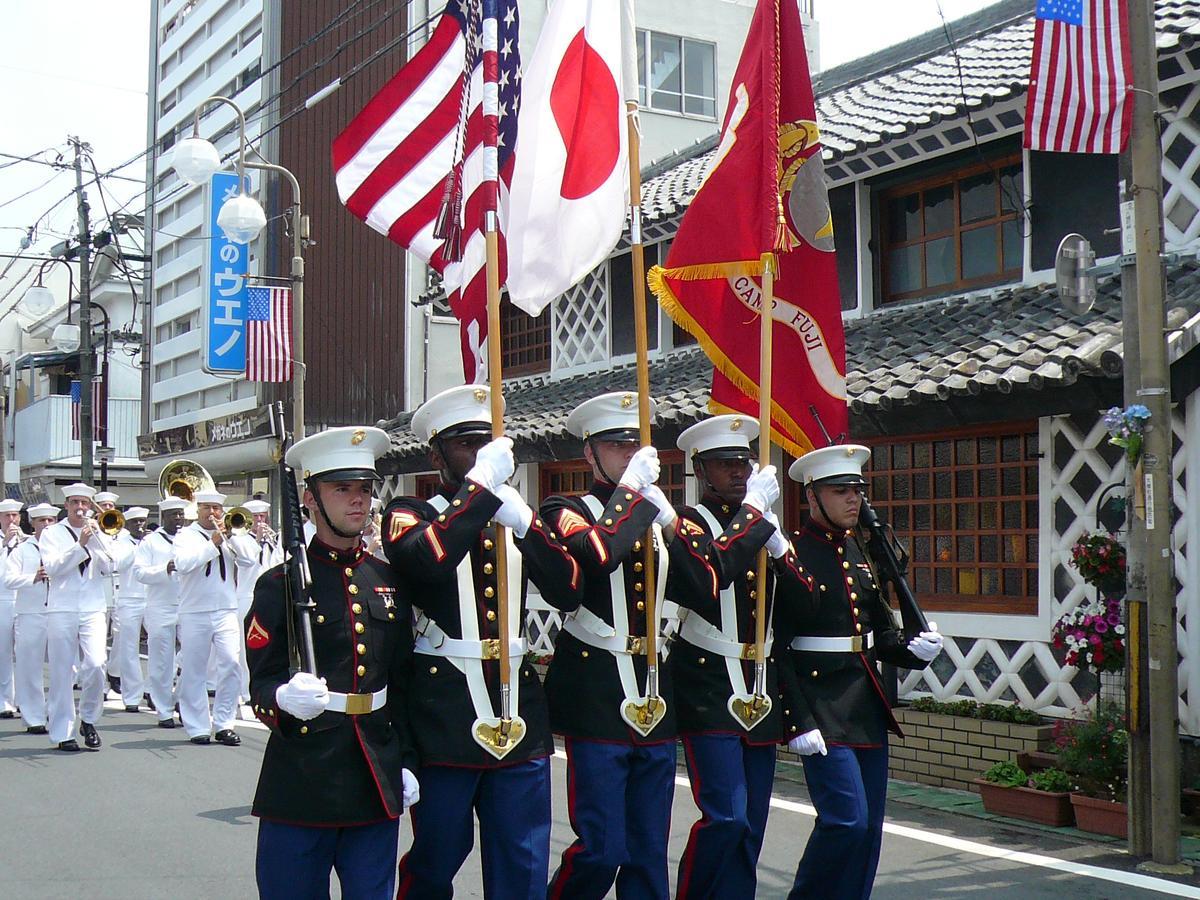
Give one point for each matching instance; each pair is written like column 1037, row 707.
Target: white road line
column 1132, row 879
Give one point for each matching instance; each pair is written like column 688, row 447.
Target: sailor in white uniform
column 25, row 575
column 154, row 566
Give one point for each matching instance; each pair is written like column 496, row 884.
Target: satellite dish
column 1076, row 288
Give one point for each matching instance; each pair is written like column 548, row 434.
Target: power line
column 34, row 190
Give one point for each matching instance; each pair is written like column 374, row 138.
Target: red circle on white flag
column 585, row 103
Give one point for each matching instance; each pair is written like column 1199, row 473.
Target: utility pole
column 86, row 362
column 1153, row 474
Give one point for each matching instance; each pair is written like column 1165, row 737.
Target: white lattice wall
column 580, row 324
column 1078, row 464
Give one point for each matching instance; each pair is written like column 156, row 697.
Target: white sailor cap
column 107, row 497
column 723, row 437
column 10, row 506
column 79, row 489
column 839, row 464
column 256, row 507
column 343, row 454
column 172, row 503
column 609, row 417
column 43, row 511
column 210, row 497
column 136, row 512
column 466, row 409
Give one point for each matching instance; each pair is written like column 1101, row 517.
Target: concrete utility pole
column 86, row 362
column 1152, row 389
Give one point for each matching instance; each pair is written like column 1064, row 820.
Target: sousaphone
column 184, row 478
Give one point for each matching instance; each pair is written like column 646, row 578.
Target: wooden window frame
column 956, row 231
column 524, row 341
column 1021, row 542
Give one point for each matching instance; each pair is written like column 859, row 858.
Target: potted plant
column 1006, row 790
column 1095, row 752
column 1093, row 636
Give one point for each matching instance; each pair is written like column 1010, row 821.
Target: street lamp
column 38, row 300
column 242, row 219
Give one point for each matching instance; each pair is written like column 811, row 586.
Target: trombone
column 238, row 521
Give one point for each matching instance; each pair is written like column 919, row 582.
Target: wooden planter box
column 1026, row 803
column 1101, row 816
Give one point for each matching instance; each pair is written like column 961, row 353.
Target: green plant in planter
column 1095, row 751
column 1052, row 781
column 1006, row 774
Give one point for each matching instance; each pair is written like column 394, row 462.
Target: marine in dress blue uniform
column 444, row 550
column 836, row 715
column 620, row 769
column 337, row 771
column 729, row 742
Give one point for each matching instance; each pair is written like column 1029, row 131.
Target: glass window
column 682, row 74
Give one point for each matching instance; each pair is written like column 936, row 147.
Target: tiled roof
column 1007, row 341
column 911, row 86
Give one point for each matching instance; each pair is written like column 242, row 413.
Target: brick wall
column 950, row 751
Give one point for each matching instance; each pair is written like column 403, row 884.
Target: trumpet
column 238, row 520
column 266, row 534
column 15, row 540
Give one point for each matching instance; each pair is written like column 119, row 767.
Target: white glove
column 762, row 488
column 642, row 470
column 809, row 743
column 305, row 696
column 411, row 788
column 665, row 517
column 494, row 464
column 777, row 544
column 514, row 512
column 926, row 645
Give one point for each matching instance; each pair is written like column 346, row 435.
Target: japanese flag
column 570, row 184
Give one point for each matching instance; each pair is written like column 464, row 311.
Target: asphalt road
column 154, row 816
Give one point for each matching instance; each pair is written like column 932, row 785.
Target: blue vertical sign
column 224, row 320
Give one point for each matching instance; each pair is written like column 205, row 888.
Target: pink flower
column 1095, row 640
column 1100, row 625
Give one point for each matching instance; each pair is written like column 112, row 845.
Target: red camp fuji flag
column 767, row 169
column 570, row 185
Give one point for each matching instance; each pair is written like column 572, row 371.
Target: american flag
column 268, row 334
column 1080, row 77
column 99, row 408
column 419, row 148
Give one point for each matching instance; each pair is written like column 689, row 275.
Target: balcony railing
column 42, row 430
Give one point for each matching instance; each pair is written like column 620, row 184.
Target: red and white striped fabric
column 424, row 138
column 269, row 334
column 99, row 406
column 1080, row 77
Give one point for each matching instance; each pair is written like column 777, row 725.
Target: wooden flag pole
column 653, row 700
column 764, row 459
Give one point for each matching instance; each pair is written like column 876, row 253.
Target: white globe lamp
column 66, row 337
column 242, row 219
column 195, row 160
column 37, row 301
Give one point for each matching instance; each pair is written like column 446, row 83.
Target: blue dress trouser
column 619, row 802
column 848, row 787
column 512, row 804
column 731, row 784
column 294, row 861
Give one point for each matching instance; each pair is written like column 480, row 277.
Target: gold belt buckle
column 856, row 643
column 634, row 645
column 747, row 651
column 490, row 648
column 358, row 704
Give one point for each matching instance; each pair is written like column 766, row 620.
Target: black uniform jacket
column 582, row 684
column 840, row 692
column 701, row 678
column 425, row 548
column 336, row 769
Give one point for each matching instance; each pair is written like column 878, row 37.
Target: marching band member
column 729, row 743
column 337, row 771
column 257, row 551
column 620, row 765
column 78, row 559
column 208, row 623
column 444, row 551
column 154, row 566
column 26, row 575
column 130, row 609
column 104, row 501
column 836, row 716
column 13, row 537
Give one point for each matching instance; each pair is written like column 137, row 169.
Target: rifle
column 887, row 558
column 297, row 583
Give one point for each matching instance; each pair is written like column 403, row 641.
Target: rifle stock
column 890, row 571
